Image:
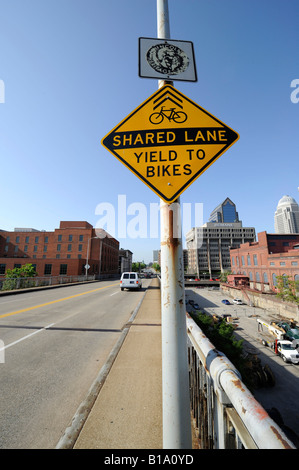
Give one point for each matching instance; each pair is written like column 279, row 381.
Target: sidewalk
column 127, row 413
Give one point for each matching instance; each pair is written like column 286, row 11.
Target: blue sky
column 70, row 69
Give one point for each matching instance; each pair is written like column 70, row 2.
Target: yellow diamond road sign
column 169, row 141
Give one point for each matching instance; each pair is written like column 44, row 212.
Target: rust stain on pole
column 280, row 438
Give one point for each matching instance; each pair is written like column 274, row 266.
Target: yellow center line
column 54, row 301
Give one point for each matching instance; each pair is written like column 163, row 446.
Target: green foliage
column 17, row 277
column 137, row 266
column 156, row 267
column 287, row 288
column 221, row 334
column 223, row 276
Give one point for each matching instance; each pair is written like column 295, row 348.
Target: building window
column 285, row 244
column 16, row 248
column 80, row 238
column 7, row 239
column 26, row 248
column 63, row 269
column 255, row 260
column 274, row 280
column 272, row 264
column 2, row 268
column 58, row 247
column 250, row 276
column 17, row 239
column 294, row 263
column 46, row 239
column 69, row 247
column 233, row 261
column 45, row 248
column 265, row 276
column 242, row 259
column 80, row 248
column 257, row 277
column 17, row 265
column 36, row 239
column 282, row 263
column 70, row 238
column 27, row 240
column 59, row 238
column 57, row 256
column 68, row 256
column 48, row 269
column 35, row 248
column 248, row 260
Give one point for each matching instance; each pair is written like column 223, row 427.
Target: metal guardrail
column 7, row 284
column 226, row 414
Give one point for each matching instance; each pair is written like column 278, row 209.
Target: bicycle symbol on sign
column 173, row 115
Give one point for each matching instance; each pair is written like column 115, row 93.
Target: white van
column 130, row 281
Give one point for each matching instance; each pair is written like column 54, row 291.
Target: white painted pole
column 175, row 375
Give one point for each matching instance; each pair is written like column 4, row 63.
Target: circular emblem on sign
column 167, row 59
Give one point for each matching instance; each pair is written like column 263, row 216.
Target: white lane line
column 26, row 337
column 114, row 293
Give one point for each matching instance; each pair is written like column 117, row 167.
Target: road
column 284, row 395
column 56, row 342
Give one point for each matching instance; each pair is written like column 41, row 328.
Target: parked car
column 226, row 302
column 130, row 281
column 238, row 301
column 191, row 302
column 196, row 306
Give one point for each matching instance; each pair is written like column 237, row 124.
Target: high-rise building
column 209, row 245
column 286, row 218
column 225, row 212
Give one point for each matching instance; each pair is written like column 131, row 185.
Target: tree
column 137, row 266
column 156, row 267
column 18, row 277
column 223, row 276
column 287, row 288
column 27, row 270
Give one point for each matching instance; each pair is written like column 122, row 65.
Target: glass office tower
column 225, row 213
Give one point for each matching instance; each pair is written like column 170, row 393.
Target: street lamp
column 87, row 265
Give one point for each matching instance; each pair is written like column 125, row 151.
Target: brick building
column 62, row 252
column 262, row 261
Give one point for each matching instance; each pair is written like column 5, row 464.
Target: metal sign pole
column 175, row 377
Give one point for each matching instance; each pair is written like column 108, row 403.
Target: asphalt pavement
column 127, row 413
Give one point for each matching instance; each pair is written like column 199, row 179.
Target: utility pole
column 175, row 375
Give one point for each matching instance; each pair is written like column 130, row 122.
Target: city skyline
column 65, row 91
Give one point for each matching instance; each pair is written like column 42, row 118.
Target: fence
column 226, row 414
column 29, row 282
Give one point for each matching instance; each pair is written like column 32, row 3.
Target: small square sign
column 166, row 59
